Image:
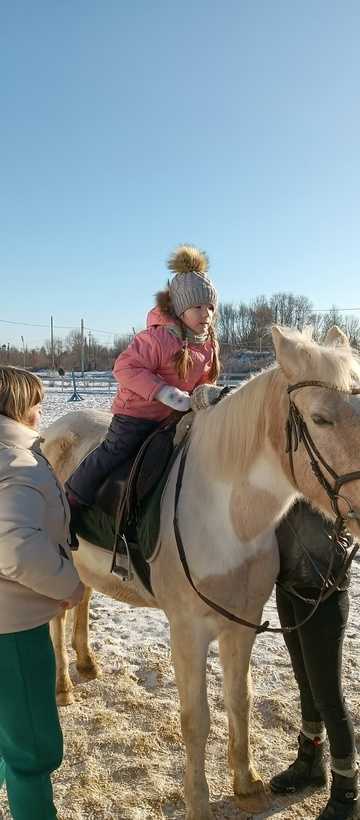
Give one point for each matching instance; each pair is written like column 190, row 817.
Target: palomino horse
column 237, row 484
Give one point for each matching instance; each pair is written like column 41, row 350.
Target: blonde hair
column 19, row 391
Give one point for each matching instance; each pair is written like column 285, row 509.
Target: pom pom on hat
column 187, row 259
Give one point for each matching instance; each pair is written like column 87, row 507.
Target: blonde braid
column 182, row 359
column 215, row 365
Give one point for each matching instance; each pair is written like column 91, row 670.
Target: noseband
column 297, row 432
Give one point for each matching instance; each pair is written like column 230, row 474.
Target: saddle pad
column 148, row 515
column 95, row 526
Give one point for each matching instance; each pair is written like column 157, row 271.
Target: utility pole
column 24, row 354
column 52, row 342
column 82, row 347
column 89, row 349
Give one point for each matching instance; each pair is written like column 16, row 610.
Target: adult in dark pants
column 316, row 655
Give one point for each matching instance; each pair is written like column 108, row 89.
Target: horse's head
column 328, row 417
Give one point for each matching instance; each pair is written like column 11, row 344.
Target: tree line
column 248, row 325
column 239, row 326
column 67, row 353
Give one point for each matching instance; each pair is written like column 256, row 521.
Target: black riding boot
column 307, row 770
column 343, row 803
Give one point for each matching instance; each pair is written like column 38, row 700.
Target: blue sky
column 129, row 126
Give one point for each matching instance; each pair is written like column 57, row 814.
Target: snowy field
column 123, row 751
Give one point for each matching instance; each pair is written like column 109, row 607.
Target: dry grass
column 123, row 751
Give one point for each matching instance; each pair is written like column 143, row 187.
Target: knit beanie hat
column 190, row 286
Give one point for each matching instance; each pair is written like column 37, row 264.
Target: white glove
column 173, row 397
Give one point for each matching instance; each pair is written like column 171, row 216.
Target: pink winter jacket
column 147, row 364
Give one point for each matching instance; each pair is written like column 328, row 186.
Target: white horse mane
column 230, row 433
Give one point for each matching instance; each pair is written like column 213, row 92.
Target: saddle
column 126, row 515
column 118, row 497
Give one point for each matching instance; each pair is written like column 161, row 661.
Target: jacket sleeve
column 136, row 368
column 27, row 554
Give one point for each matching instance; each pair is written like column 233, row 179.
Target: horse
column 238, row 482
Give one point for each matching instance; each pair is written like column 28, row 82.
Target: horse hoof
column 89, row 670
column 65, row 698
column 254, row 803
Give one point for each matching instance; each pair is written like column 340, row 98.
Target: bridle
column 296, row 433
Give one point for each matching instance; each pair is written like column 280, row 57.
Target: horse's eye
column 321, row 421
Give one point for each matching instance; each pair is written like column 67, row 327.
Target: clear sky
column 129, row 126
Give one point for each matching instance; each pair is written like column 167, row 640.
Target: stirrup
column 121, row 564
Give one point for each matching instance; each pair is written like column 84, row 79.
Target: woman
column 37, row 580
column 316, row 656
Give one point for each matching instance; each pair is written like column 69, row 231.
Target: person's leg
column 291, row 612
column 309, row 767
column 121, row 444
column 322, row 644
column 2, row 772
column 30, row 734
column 323, row 659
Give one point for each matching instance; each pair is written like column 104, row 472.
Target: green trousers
column 31, row 744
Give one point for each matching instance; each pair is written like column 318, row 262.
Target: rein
column 296, row 432
column 182, row 555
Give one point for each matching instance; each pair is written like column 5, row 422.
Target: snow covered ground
column 123, row 750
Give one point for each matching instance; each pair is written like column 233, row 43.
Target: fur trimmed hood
column 157, row 318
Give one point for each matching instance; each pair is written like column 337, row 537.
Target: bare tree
column 351, row 327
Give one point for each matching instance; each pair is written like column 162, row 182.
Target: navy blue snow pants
column 121, row 444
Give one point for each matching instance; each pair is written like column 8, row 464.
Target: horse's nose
column 353, row 517
column 354, row 514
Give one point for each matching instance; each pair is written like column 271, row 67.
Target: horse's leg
column 85, row 658
column 235, row 644
column 189, row 645
column 64, row 687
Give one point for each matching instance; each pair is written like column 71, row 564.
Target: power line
column 60, row 327
column 109, row 332
column 23, row 324
column 333, row 307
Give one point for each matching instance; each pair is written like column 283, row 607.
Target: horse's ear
column 336, row 337
column 290, row 352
